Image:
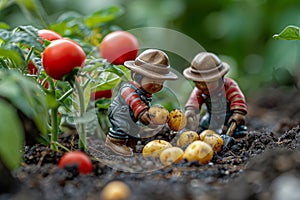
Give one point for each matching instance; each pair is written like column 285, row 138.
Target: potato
column 115, row 190
column 158, row 115
column 154, row 148
column 205, row 132
column 177, row 120
column 214, row 140
column 199, row 151
column 187, row 138
column 171, row 155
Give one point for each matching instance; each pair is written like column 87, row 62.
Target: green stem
column 54, row 130
column 86, row 84
column 29, row 55
column 62, row 146
column 54, row 119
column 82, row 133
column 68, row 93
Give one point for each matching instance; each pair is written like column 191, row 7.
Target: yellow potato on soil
column 177, row 120
column 116, row 190
column 214, row 140
column 154, row 148
column 158, row 115
column 187, row 138
column 199, row 151
column 205, row 132
column 171, row 155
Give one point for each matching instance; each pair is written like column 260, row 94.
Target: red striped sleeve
column 235, row 96
column 133, row 100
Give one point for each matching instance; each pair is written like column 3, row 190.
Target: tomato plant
column 51, row 63
column 61, row 57
column 118, row 47
column 78, row 159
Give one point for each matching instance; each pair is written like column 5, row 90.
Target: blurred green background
column 239, row 31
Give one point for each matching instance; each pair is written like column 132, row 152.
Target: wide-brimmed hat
column 152, row 63
column 206, row 67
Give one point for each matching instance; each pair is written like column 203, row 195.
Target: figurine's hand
column 191, row 118
column 191, row 124
column 144, row 117
column 238, row 117
column 190, row 113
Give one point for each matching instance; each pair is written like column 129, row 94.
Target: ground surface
column 263, row 165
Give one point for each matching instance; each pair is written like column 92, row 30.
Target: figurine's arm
column 237, row 101
column 138, row 107
column 192, row 107
column 194, row 102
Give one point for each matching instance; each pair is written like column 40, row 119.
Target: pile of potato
column 189, row 146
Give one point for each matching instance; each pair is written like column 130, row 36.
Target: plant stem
column 54, row 131
column 62, row 146
column 29, row 55
column 82, row 133
column 54, row 119
column 68, row 93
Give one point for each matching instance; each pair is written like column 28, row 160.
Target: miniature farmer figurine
column 128, row 113
column 223, row 98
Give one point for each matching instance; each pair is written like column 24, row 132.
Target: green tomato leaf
column 11, row 134
column 106, row 81
column 103, row 16
column 120, row 70
column 289, row 33
column 26, row 95
column 12, row 55
column 30, row 30
column 26, row 35
column 94, row 65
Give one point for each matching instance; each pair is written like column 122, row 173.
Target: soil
column 263, row 165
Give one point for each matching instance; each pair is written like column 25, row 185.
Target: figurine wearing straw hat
column 222, row 96
column 128, row 113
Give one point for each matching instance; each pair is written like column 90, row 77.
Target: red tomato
column 118, row 47
column 101, row 94
column 76, row 158
column 61, row 57
column 49, row 35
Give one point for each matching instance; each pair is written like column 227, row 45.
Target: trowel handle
column 231, row 128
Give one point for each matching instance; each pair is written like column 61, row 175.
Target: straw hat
column 152, row 63
column 206, row 67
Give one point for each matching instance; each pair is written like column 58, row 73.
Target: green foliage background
column 240, row 31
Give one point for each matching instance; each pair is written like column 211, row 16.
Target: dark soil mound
column 263, row 165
